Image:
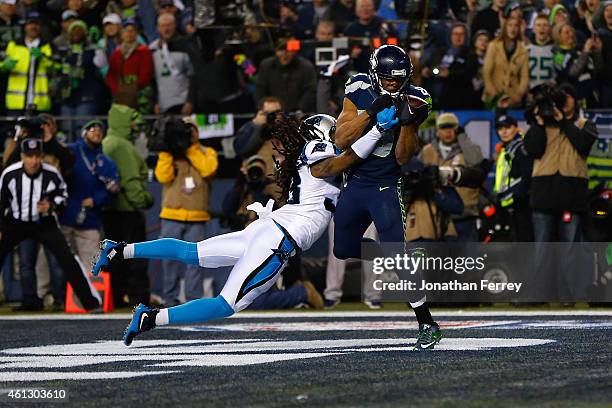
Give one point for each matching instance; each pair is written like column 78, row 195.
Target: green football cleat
column 429, row 336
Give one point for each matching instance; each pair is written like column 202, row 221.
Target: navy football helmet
column 390, row 62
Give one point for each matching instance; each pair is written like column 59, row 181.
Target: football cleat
column 429, row 336
column 143, row 320
column 110, row 252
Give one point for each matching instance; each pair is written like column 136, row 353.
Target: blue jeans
column 173, row 270
column 28, row 252
column 550, row 227
column 466, row 230
column 74, row 127
column 280, row 299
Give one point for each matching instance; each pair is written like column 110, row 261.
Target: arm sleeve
column 164, row 169
column 145, row 73
column 471, row 151
column 581, row 139
column 131, row 180
column 535, row 141
column 203, row 158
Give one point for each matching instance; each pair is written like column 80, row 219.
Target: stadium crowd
column 79, row 59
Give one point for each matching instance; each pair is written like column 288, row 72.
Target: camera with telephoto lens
column 423, row 183
column 170, row 135
column 255, row 170
column 545, row 99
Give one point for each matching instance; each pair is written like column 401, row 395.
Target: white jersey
column 541, row 67
column 311, row 200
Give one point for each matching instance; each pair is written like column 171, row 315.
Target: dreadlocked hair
column 289, row 138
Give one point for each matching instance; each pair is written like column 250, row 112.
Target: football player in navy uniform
column 373, row 190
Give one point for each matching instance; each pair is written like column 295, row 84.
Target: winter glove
column 8, row 64
column 36, row 53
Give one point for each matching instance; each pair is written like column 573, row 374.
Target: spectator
column 174, row 75
column 457, row 71
column 453, row 148
column 290, row 78
column 584, row 19
column 111, row 38
column 558, row 15
column 324, row 34
column 91, row 185
column 579, row 68
column 342, row 12
column 47, row 189
column 476, row 59
column 130, row 67
column 605, row 34
column 368, row 24
column 490, row 18
column 506, row 68
column 512, row 179
column 300, row 21
column 10, row 29
column 81, row 83
column 541, row 69
column 183, row 16
column 186, row 176
column 62, row 41
column 123, row 219
column 24, row 91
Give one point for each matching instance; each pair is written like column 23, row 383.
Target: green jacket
column 133, row 170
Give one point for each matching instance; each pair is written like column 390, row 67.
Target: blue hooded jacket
column 83, row 184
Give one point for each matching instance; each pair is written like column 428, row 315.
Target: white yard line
column 338, row 314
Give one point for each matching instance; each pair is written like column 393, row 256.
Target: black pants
column 131, row 278
column 47, row 232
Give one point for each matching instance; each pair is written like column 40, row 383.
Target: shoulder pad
column 357, row 82
column 317, row 150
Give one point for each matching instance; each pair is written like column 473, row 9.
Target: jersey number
column 540, row 68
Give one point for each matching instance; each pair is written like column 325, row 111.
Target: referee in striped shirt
column 30, row 192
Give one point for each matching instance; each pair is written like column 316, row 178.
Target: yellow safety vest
column 502, row 176
column 19, row 81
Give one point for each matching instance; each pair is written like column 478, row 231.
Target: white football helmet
column 321, row 126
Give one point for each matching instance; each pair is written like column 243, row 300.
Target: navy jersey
column 381, row 164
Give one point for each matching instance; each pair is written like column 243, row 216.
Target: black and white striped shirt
column 19, row 192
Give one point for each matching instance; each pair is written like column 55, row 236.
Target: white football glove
column 262, row 212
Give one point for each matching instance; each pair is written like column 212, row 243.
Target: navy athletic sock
column 200, row 310
column 423, row 315
column 164, row 248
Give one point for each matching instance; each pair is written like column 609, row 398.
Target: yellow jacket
column 186, row 184
column 19, row 80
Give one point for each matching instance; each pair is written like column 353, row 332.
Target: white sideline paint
column 145, row 354
column 336, row 314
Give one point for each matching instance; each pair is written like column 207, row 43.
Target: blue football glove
column 386, row 119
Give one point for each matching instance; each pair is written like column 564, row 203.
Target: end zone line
column 337, row 314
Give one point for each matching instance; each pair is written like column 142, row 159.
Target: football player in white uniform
column 307, row 174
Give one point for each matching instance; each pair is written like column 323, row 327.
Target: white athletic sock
column 162, row 318
column 417, row 304
column 128, row 251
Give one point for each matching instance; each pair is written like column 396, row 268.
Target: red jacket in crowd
column 138, row 67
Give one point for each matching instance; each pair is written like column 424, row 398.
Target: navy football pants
column 360, row 204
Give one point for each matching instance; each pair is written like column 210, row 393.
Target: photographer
column 251, row 186
column 455, row 150
column 559, row 142
column 254, row 137
column 185, row 169
column 429, row 199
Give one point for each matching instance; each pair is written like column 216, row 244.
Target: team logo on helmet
column 390, row 62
